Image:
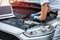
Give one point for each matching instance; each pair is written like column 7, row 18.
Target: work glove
column 35, row 16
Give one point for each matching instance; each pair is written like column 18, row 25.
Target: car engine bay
column 32, row 28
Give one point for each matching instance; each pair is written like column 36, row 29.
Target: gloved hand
column 35, row 14
column 35, row 17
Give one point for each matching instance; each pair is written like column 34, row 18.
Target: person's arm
column 44, row 10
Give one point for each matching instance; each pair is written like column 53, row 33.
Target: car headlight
column 39, row 31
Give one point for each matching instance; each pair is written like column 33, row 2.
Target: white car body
column 19, row 33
